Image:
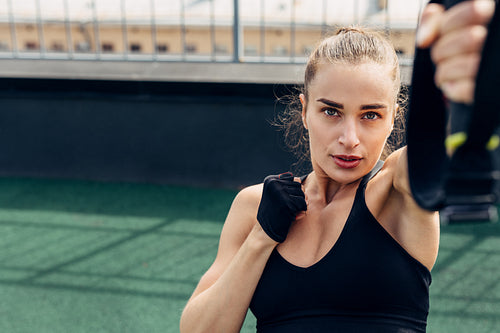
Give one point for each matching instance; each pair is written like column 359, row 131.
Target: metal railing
column 175, row 30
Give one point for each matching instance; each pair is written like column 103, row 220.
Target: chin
column 349, row 175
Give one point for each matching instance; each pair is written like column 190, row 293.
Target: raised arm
column 456, row 38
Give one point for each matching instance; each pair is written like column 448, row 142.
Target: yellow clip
column 455, row 140
column 493, row 143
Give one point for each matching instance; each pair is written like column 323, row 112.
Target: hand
column 456, row 37
column 282, row 202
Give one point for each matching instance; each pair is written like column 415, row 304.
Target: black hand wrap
column 282, row 199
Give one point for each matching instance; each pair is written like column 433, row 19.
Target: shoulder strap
column 372, row 173
column 302, row 178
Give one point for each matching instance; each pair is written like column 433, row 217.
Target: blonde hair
column 353, row 46
column 349, row 45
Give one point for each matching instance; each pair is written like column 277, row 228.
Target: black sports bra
column 366, row 283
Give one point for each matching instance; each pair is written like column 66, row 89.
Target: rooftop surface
column 124, row 258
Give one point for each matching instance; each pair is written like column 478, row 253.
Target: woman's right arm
column 221, row 300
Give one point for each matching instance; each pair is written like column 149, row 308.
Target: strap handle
column 467, row 177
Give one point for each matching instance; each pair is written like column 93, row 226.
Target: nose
column 349, row 135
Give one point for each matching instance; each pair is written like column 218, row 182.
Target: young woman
column 344, row 248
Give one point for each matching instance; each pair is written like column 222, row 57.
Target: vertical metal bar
column 13, row 35
column 67, row 22
column 236, row 32
column 183, row 30
column 292, row 32
column 124, row 29
column 387, row 20
column 39, row 22
column 97, row 41
column 356, row 8
column 212, row 29
column 262, row 31
column 153, row 30
column 324, row 25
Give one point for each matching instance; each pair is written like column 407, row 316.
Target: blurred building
column 271, row 29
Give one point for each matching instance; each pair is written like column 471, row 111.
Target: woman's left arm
column 456, row 38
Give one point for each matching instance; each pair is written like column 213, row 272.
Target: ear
column 304, row 107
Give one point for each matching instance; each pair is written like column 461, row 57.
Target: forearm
column 223, row 306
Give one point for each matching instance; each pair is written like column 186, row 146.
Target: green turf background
column 81, row 256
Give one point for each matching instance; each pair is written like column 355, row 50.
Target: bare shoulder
column 381, row 186
column 240, row 220
column 394, row 174
column 242, row 215
column 391, row 186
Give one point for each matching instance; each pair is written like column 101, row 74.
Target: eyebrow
column 330, row 103
column 374, row 106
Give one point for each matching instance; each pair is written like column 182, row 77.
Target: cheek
column 381, row 139
column 375, row 138
column 320, row 137
column 320, row 131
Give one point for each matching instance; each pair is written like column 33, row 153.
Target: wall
column 204, row 134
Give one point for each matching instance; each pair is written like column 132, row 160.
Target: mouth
column 347, row 161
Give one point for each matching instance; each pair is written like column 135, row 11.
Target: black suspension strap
column 460, row 183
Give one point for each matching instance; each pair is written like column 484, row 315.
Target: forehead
column 366, row 82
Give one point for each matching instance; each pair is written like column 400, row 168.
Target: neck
column 326, row 189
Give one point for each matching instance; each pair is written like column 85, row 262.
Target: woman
column 346, row 248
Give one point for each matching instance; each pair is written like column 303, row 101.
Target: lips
column 347, row 161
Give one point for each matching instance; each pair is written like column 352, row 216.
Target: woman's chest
column 311, row 237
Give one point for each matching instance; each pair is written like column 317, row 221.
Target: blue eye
column 371, row 116
column 331, row 112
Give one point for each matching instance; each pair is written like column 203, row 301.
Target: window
column 190, row 48
column 107, row 47
column 280, row 51
column 57, row 47
column 162, row 48
column 221, row 49
column 251, row 50
column 4, row 46
column 82, row 47
column 31, row 46
column 135, row 47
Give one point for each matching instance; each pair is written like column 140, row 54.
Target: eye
column 331, row 112
column 371, row 116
